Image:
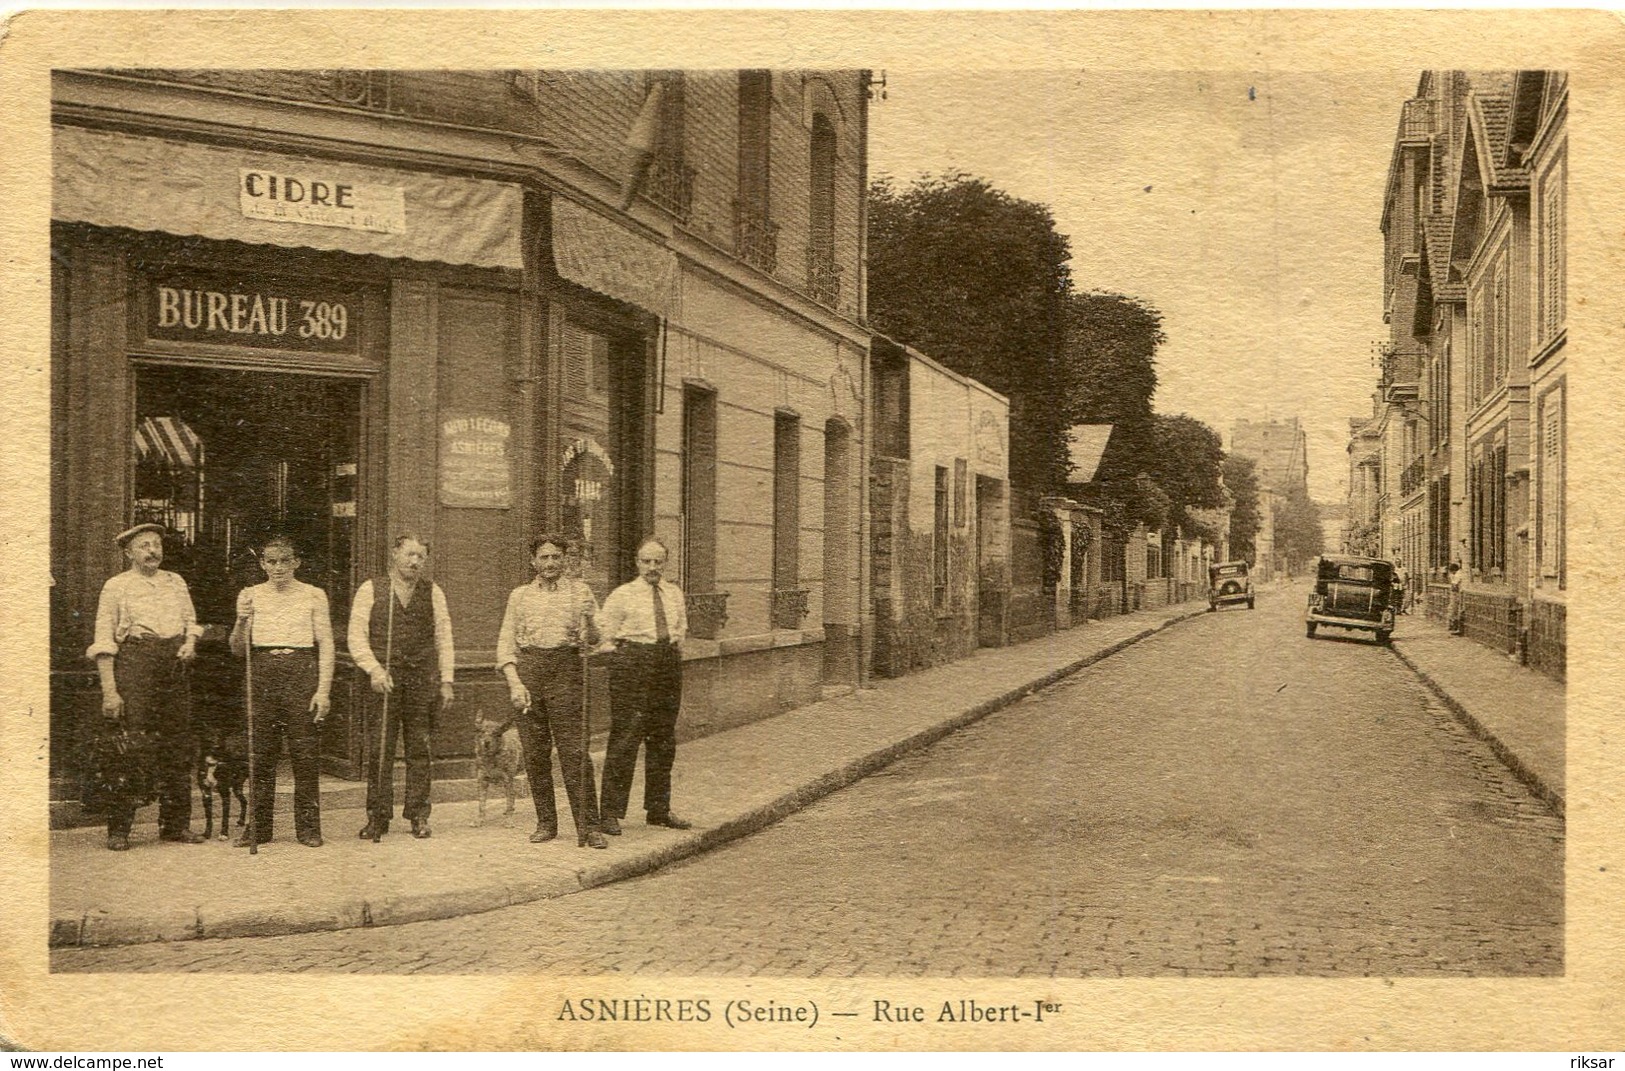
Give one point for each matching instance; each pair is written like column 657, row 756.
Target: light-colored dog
column 497, row 761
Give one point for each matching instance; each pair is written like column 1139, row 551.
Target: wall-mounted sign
column 322, row 200
column 245, row 313
column 476, row 471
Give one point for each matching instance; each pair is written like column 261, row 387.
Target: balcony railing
column 789, row 607
column 1413, row 476
column 1416, row 120
column 707, row 613
column 670, row 185
column 756, row 238
column 823, row 278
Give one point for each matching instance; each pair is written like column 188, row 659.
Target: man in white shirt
column 644, row 621
column 539, row 649
column 146, row 635
column 289, row 627
column 405, row 621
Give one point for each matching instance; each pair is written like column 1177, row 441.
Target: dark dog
column 497, row 761
column 222, row 768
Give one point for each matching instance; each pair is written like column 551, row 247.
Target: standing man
column 539, row 652
column 644, row 621
column 1402, row 582
column 146, row 635
column 406, row 623
column 288, row 624
column 1453, row 614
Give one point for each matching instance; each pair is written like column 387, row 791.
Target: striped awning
column 169, row 441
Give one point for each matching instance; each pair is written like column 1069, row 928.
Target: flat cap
column 130, row 533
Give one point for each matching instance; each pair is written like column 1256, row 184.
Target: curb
column 98, row 929
column 1552, row 797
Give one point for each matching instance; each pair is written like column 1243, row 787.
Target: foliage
column 978, row 280
column 1110, row 347
column 1187, row 464
column 1299, row 535
column 1242, row 483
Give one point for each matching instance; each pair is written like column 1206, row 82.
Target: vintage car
column 1354, row 593
column 1228, row 582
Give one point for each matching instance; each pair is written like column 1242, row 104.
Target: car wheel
column 1383, row 636
column 1249, row 604
column 1309, row 630
column 1211, row 608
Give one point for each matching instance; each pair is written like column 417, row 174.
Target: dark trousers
column 412, row 707
column 645, row 692
column 556, row 718
column 157, row 703
column 283, row 687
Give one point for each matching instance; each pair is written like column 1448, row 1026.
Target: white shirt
column 538, row 616
column 135, row 605
column 361, row 626
column 292, row 618
column 629, row 612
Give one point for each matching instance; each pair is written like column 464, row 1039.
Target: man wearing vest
column 400, row 637
column 644, row 622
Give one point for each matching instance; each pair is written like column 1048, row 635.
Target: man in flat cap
column 146, row 634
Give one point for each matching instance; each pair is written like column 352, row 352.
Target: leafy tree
column 1110, row 348
column 978, row 280
column 1299, row 535
column 1187, row 465
column 1242, row 483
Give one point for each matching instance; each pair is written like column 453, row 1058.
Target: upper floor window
column 671, row 181
column 823, row 279
column 1553, row 257
column 755, row 236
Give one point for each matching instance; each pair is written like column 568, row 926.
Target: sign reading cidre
column 322, row 200
column 269, row 316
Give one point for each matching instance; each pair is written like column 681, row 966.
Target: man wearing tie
column 644, row 621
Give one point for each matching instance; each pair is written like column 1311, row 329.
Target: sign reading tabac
column 475, row 467
column 323, row 200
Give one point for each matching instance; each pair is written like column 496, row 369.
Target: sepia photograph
column 880, row 549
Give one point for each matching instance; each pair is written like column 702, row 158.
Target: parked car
column 1353, row 593
column 1228, row 582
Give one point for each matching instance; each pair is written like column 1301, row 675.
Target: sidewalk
column 1518, row 711
column 728, row 784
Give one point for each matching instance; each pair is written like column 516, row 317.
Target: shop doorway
column 224, row 459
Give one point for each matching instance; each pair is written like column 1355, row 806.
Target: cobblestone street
column 1225, row 798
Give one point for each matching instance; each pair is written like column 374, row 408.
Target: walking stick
column 383, row 720
column 253, row 779
column 583, row 786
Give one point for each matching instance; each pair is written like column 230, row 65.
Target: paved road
column 1226, row 798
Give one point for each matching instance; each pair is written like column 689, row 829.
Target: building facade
column 1280, row 455
column 471, row 306
column 1472, row 395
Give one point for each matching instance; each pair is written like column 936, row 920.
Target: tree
column 1299, row 535
column 978, row 280
column 1242, row 483
column 1187, row 463
column 1110, row 349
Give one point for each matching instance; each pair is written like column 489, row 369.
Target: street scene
column 808, row 523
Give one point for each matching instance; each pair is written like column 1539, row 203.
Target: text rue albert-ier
column 757, row 1011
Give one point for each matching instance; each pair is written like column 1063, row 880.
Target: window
column 671, row 181
column 699, row 490
column 786, row 502
column 1549, row 522
column 939, row 543
column 1502, row 344
column 961, row 491
column 755, row 236
column 823, row 278
column 1553, row 222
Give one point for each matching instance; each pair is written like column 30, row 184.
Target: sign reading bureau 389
column 254, row 313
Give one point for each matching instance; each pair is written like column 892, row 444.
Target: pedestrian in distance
column 402, row 617
column 1454, row 615
column 284, row 631
column 146, row 637
column 546, row 628
column 644, row 622
column 1402, row 584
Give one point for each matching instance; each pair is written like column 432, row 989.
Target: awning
column 600, row 254
column 171, row 440
column 186, row 188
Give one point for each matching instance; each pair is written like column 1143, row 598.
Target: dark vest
column 412, row 643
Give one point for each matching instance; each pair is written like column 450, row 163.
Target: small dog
column 222, row 768
column 497, row 761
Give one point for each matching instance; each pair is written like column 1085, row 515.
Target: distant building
column 1278, row 450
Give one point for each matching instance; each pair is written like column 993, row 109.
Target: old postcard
column 811, row 530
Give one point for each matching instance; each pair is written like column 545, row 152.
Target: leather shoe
column 184, row 836
column 311, row 840
column 543, row 834
column 244, row 840
column 611, row 825
column 420, row 828
column 670, row 821
column 374, row 827
column 596, row 839
column 118, row 842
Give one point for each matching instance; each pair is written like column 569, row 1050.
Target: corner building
column 472, row 306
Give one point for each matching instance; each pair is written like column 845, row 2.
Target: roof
column 1086, row 444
